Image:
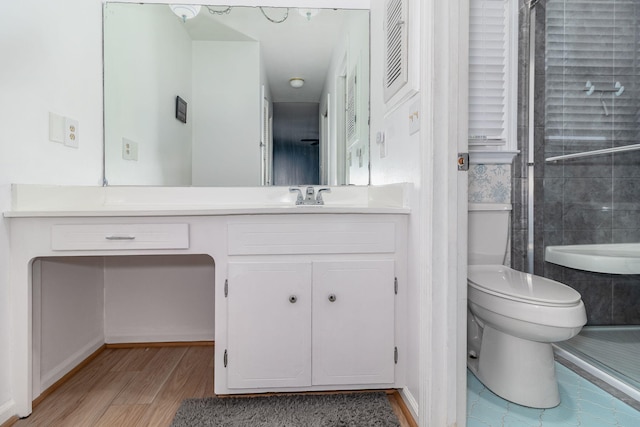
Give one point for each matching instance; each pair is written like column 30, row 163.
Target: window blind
column 488, row 71
column 592, row 41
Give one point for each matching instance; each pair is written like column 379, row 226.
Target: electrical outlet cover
column 129, row 149
column 71, row 135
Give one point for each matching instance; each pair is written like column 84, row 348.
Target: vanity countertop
column 32, row 201
column 204, row 211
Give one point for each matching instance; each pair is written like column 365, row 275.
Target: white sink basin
column 616, row 258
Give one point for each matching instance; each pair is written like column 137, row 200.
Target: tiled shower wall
column 593, row 199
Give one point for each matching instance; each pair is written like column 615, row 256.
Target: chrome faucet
column 309, row 198
column 319, row 200
column 299, row 199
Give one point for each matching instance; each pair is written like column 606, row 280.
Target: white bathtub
column 616, row 258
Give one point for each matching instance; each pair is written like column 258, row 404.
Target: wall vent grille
column 396, row 72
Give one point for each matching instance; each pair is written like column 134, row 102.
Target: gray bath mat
column 327, row 410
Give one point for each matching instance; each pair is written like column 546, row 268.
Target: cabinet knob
column 293, row 299
column 332, row 297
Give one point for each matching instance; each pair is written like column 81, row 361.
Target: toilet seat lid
column 508, row 283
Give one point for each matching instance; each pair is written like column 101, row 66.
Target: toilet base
column 517, row 370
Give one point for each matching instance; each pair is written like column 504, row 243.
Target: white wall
column 68, row 315
column 147, row 64
column 51, row 61
column 159, row 299
column 226, row 135
column 402, row 163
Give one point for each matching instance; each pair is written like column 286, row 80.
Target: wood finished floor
column 136, row 387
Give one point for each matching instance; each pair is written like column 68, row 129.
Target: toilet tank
column 488, row 232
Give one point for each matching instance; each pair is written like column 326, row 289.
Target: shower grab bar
column 590, row 88
column 604, row 91
column 632, row 147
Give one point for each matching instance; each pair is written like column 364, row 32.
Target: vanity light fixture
column 227, row 11
column 308, row 13
column 296, row 82
column 275, row 21
column 185, row 11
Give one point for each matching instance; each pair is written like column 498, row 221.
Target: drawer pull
column 293, row 299
column 120, row 237
column 332, row 297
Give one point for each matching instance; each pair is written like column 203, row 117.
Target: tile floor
column 582, row 404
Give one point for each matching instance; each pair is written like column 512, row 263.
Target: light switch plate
column 56, row 128
column 382, row 143
column 71, row 134
column 414, row 117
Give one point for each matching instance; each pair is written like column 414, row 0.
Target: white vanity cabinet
column 310, row 323
column 353, row 322
column 269, row 325
column 310, row 303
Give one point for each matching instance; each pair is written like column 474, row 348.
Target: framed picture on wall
column 181, row 109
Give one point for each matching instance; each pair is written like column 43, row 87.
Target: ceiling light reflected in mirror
column 308, row 13
column 296, row 82
column 185, row 11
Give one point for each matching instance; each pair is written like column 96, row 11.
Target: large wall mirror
column 235, row 96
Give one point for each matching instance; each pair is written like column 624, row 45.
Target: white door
column 353, row 322
column 269, row 325
column 266, row 143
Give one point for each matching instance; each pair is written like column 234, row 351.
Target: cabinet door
column 353, row 322
column 269, row 325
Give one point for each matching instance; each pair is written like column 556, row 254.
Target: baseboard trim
column 56, row 385
column 47, row 379
column 410, row 403
column 406, row 413
column 162, row 344
column 7, row 413
column 11, row 421
column 159, row 338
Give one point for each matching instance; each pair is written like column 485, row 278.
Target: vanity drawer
column 313, row 238
column 119, row 236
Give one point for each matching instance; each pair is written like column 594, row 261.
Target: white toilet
column 513, row 317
